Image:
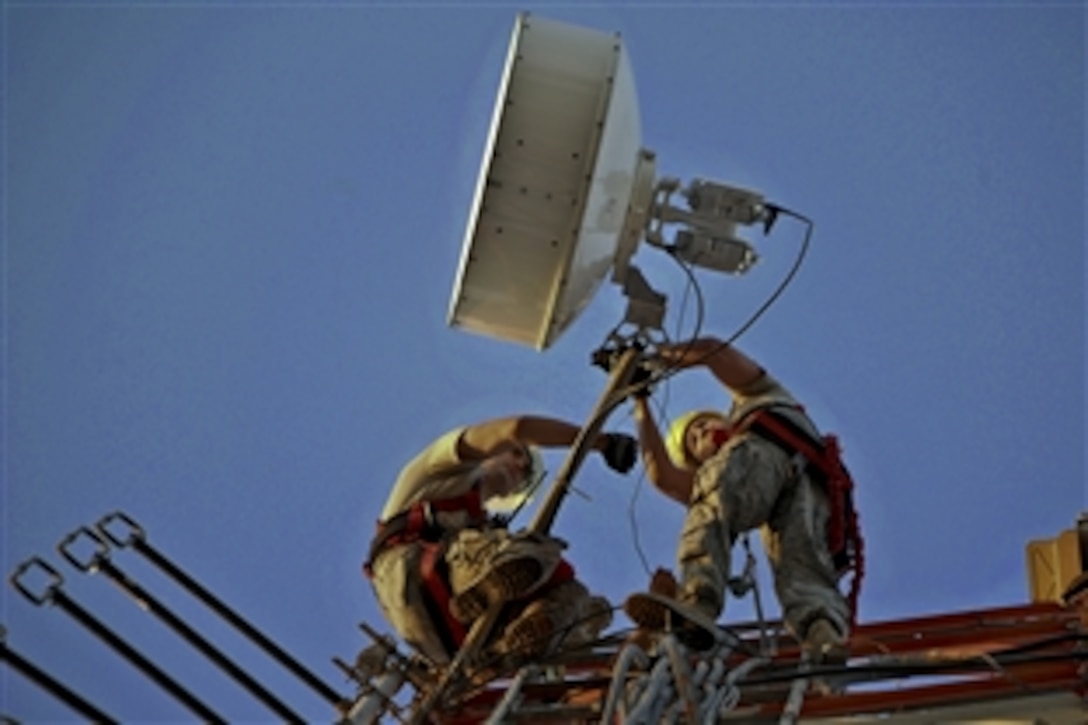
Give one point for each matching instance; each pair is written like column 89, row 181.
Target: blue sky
column 230, row 237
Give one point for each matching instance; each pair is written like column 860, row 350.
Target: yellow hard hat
column 517, row 498
column 676, row 443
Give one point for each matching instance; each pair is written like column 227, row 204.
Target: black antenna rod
column 53, row 594
column 50, row 684
column 136, row 537
column 100, row 562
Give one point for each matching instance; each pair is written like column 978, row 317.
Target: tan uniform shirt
column 437, row 472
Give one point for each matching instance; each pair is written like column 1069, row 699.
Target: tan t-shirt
column 436, row 472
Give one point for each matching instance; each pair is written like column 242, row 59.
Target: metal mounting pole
column 474, row 640
column 622, row 371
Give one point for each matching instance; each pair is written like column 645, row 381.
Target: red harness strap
column 564, row 572
column 438, row 588
column 843, row 533
column 419, row 525
column 469, row 502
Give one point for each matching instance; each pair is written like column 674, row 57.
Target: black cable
column 684, row 297
column 1064, row 638
column 786, row 281
column 662, row 376
column 700, row 314
column 908, row 668
column 633, row 522
column 692, row 285
column 670, row 370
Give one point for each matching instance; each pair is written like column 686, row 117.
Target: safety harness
column 419, row 525
column 824, row 461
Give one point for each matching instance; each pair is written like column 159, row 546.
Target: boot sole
column 646, row 612
column 654, row 611
column 508, row 581
column 531, row 635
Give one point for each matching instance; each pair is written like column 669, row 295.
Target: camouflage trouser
column 751, row 483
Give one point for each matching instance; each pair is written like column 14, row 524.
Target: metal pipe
column 512, row 696
column 51, row 685
column 767, row 648
column 54, row 595
column 622, row 372
column 726, row 696
column 796, row 699
column 137, row 538
column 630, row 654
column 657, row 714
column 681, row 676
column 100, row 562
column 369, row 708
column 656, row 682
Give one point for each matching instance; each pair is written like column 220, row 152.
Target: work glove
column 620, row 452
column 643, row 379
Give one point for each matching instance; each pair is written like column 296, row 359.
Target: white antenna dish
column 553, row 191
column 566, row 192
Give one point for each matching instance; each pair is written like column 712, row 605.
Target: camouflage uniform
column 749, row 483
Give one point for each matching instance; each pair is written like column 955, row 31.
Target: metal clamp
column 56, row 580
column 101, row 549
column 135, row 531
